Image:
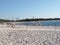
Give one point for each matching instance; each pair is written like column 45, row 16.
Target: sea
column 41, row 23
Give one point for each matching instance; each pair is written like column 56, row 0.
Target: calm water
column 42, row 23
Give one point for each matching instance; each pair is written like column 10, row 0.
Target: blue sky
column 28, row 8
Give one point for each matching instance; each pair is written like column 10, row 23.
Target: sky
column 12, row 9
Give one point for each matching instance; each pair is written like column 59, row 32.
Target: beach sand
column 24, row 27
column 29, row 35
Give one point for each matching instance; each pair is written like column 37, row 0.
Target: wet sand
column 23, row 27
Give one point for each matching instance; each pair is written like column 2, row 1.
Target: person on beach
column 10, row 25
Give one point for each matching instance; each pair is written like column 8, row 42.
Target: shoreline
column 23, row 27
column 29, row 35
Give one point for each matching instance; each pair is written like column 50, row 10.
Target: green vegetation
column 38, row 19
column 3, row 20
column 23, row 20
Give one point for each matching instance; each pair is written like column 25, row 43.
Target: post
column 26, row 25
column 55, row 26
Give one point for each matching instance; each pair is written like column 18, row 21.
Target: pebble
column 29, row 37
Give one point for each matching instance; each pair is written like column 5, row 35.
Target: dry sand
column 29, row 35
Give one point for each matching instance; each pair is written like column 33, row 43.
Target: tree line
column 5, row 20
column 36, row 19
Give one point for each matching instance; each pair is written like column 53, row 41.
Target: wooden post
column 55, row 26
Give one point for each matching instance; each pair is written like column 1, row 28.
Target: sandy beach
column 29, row 35
column 24, row 27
